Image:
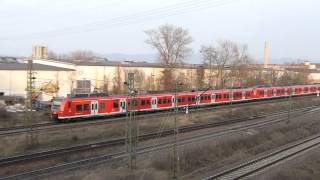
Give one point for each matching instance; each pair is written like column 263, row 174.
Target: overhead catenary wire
column 69, row 3
column 177, row 9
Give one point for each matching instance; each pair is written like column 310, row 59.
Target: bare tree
column 58, row 56
column 295, row 74
column 274, row 76
column 209, row 56
column 82, row 55
column 200, row 77
column 105, row 86
column 117, row 81
column 226, row 54
column 240, row 66
column 172, row 44
column 255, row 77
column 167, row 79
column 52, row 55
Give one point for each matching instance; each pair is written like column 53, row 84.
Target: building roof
column 133, row 64
column 36, row 67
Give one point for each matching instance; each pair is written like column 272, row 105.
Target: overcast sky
column 117, row 26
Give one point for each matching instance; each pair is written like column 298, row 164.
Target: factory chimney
column 266, row 54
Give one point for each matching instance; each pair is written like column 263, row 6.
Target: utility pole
column 290, row 105
column 29, row 102
column 231, row 96
column 132, row 128
column 176, row 133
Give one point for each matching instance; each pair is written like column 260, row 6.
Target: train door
column 94, row 107
column 213, row 98
column 154, row 103
column 173, row 101
column 198, row 99
column 274, row 92
column 265, row 93
column 122, row 105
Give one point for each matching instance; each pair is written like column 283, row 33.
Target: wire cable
column 177, row 9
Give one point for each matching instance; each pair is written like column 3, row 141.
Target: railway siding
column 256, row 165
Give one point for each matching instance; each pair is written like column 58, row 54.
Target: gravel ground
column 67, row 158
column 305, row 166
column 88, row 134
column 16, row 144
column 203, row 158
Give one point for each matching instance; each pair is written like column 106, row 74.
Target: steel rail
column 263, row 162
column 143, row 150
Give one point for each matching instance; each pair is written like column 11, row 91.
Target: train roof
column 183, row 93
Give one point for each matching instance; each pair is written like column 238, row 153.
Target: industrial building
column 59, row 78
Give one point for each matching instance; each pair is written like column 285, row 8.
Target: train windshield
column 56, row 104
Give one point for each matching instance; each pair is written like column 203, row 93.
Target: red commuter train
column 86, row 107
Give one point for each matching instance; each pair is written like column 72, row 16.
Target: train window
column 86, row 107
column 116, row 104
column 217, row 96
column 78, row 107
column 179, row 99
column 201, row 98
column 189, row 99
column 102, row 105
column 193, row 99
column 169, row 100
column 209, row 97
column 148, row 102
column 164, row 101
column 159, row 101
column 143, row 102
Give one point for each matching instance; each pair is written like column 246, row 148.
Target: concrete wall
column 14, row 82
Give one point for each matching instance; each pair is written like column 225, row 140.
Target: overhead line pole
column 176, row 133
column 30, row 138
column 131, row 129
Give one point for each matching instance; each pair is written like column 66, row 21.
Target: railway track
column 120, row 141
column 53, row 126
column 266, row 161
column 100, row 159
